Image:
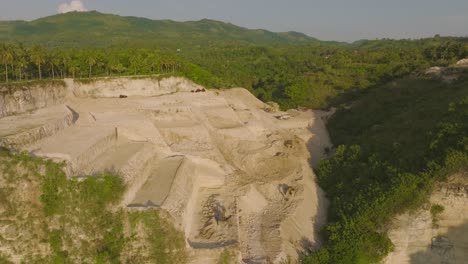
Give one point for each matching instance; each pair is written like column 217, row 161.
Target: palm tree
column 64, row 62
column 55, row 62
column 50, row 59
column 74, row 66
column 37, row 54
column 6, row 55
column 20, row 61
column 91, row 60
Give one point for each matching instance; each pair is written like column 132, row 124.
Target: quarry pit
column 231, row 171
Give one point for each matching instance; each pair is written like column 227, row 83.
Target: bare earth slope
column 233, row 173
column 423, row 237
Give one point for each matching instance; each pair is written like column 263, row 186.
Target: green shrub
column 226, row 257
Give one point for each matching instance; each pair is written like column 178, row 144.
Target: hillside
column 396, row 143
column 94, row 29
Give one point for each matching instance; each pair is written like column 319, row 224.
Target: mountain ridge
column 99, row 29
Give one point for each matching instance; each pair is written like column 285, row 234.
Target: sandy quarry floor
column 231, row 173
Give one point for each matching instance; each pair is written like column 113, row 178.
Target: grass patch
column 436, row 211
column 66, row 220
column 226, row 257
column 162, row 243
column 12, row 86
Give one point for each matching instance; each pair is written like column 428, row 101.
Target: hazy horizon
column 337, row 20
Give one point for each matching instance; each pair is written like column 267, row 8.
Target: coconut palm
column 91, row 60
column 37, row 55
column 20, row 61
column 6, row 55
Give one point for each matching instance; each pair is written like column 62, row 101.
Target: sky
column 341, row 20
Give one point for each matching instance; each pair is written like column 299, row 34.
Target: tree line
column 315, row 75
column 21, row 63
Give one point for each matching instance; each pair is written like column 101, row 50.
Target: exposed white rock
column 217, row 161
column 434, row 70
column 463, row 62
column 20, row 100
column 421, row 239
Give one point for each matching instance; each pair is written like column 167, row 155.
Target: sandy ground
column 230, row 173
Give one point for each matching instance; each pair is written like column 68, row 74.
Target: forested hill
column 86, row 29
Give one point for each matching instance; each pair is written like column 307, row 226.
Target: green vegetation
column 395, row 143
column 164, row 244
column 314, row 75
column 94, row 29
column 436, row 210
column 12, row 86
column 67, row 220
column 227, row 257
column 289, row 68
column 4, row 260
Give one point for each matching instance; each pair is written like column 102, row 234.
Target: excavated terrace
column 230, row 170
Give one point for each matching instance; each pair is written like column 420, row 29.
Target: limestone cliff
column 23, row 98
column 438, row 233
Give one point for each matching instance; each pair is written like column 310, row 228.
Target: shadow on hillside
column 317, row 148
column 320, row 145
column 451, row 248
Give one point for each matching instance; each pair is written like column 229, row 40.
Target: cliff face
column 431, row 236
column 112, row 88
column 23, row 99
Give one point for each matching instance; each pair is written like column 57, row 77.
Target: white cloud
column 75, row 5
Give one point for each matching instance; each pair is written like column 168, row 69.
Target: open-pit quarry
column 231, row 171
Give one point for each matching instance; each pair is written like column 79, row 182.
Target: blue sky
column 344, row 20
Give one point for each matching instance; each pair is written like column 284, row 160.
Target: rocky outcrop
column 463, row 62
column 124, row 87
column 24, row 98
column 434, row 70
column 438, row 233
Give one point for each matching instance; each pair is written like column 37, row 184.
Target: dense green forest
column 395, row 143
column 94, row 29
column 314, row 75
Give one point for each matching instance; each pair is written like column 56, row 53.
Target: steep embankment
column 21, row 98
column 438, row 232
column 232, row 172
